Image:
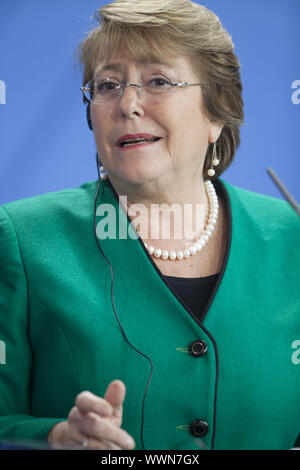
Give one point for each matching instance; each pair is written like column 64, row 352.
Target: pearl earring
column 103, row 174
column 215, row 161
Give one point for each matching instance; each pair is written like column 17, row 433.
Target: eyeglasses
column 103, row 92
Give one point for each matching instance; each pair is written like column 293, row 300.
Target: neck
column 169, row 216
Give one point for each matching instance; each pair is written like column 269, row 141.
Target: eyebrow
column 119, row 67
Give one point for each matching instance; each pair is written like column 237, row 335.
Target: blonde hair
column 158, row 28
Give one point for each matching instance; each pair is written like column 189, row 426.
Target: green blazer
column 59, row 334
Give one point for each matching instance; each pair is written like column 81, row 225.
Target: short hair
column 160, row 28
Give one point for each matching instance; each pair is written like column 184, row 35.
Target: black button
column 198, row 348
column 199, row 428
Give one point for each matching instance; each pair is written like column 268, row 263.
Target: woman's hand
column 94, row 422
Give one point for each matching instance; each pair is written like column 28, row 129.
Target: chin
column 138, row 175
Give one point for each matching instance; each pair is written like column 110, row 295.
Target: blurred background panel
column 45, row 143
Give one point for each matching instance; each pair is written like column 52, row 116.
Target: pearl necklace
column 201, row 242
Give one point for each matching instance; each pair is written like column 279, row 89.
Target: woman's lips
column 132, row 138
column 137, row 145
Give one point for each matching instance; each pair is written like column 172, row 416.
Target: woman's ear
column 214, row 131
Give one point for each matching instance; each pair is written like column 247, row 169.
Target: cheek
column 103, row 127
column 187, row 127
column 196, row 130
column 188, row 136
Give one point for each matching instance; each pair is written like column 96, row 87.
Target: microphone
column 284, row 191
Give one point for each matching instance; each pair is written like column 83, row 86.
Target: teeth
column 138, row 141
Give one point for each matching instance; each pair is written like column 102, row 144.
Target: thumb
column 115, row 395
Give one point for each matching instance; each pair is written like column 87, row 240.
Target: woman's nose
column 130, row 101
column 135, row 86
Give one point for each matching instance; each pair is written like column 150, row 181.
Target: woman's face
column 174, row 116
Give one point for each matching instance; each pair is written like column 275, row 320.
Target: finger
column 115, row 395
column 74, row 438
column 98, row 428
column 87, row 401
column 97, row 444
column 108, row 445
column 74, row 415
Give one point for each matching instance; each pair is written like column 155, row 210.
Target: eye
column 158, row 84
column 107, row 87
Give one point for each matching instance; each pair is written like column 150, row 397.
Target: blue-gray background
column 45, row 144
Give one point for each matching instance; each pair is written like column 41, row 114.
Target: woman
column 141, row 340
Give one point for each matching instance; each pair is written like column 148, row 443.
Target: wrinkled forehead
column 116, row 55
column 177, row 66
column 117, row 63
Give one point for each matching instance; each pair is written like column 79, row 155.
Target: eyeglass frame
column 122, row 86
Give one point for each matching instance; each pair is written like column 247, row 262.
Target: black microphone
column 284, row 191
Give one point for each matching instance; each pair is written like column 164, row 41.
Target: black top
column 194, row 292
